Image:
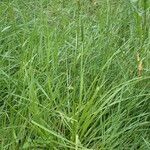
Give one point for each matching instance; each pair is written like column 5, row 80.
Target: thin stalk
column 145, row 30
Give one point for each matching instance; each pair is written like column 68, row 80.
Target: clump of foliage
column 75, row 74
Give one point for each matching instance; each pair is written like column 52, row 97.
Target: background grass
column 74, row 74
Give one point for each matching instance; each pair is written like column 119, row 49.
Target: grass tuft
column 75, row 74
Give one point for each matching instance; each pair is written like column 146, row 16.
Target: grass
column 74, row 75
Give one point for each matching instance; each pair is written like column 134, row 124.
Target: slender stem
column 145, row 32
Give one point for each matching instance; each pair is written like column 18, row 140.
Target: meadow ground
column 74, row 74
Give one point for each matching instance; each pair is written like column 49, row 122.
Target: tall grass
column 74, row 75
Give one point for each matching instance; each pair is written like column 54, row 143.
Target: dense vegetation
column 75, row 74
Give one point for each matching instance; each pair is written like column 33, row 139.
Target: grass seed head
column 140, row 68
